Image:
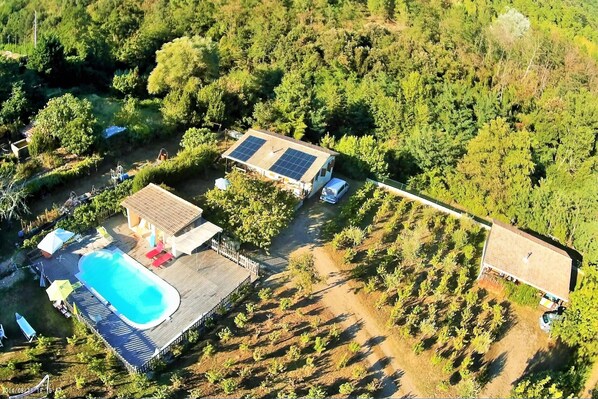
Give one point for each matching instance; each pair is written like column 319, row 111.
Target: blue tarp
column 113, row 130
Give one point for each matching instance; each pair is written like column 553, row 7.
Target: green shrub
column 194, row 137
column 354, row 347
column 343, row 361
column 521, row 294
column 285, row 303
column 213, row 376
column 193, row 336
column 186, row 164
column 162, row 392
column 35, row 368
column 228, row 386
column 316, row 392
column 208, row 350
column 320, row 345
column 253, row 210
column 61, row 176
column 177, row 381
column 59, row 393
column 265, row 293
column 225, row 334
column 240, row 320
column 346, row 389
column 104, row 204
column 258, row 354
column 27, row 169
column 303, row 271
column 79, row 381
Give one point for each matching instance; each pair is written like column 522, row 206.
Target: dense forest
column 489, row 104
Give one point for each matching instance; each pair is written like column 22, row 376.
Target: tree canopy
column 422, row 91
column 68, row 120
column 253, row 210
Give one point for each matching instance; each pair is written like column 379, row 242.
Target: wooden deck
column 202, row 280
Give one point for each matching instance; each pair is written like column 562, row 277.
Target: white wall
column 320, row 181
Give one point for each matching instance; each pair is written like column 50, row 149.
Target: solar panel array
column 293, row 164
column 247, row 148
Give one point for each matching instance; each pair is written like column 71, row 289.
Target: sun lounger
column 26, row 328
column 102, row 231
column 156, row 251
column 2, row 335
column 162, row 259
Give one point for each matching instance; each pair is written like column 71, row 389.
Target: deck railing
column 91, row 326
column 198, row 325
column 234, row 255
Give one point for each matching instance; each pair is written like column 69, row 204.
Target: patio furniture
column 102, row 231
column 156, row 251
column 62, row 309
column 2, row 335
column 26, row 328
column 162, row 259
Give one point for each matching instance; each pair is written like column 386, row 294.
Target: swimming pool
column 138, row 296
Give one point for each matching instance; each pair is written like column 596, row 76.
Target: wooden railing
column 198, row 325
column 234, row 255
column 82, row 318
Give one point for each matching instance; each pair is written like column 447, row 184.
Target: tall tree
column 15, row 109
column 183, row 67
column 181, row 60
column 48, row 59
column 579, row 326
column 494, row 176
column 70, row 121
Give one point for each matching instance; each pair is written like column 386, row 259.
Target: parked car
column 334, row 190
column 547, row 320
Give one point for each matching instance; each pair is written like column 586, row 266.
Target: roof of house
column 274, row 147
column 163, row 209
column 529, row 259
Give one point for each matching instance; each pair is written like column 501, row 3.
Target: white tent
column 222, row 183
column 54, row 241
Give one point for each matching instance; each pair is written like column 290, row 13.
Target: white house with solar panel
column 302, row 167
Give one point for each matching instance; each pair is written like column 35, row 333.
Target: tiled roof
column 163, row 209
column 529, row 259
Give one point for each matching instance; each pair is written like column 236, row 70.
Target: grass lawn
column 104, row 108
column 30, row 300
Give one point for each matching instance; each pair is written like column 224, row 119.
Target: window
column 323, row 172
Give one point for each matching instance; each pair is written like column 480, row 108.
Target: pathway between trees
column 337, row 296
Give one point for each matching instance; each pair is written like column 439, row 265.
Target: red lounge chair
column 162, row 259
column 156, row 251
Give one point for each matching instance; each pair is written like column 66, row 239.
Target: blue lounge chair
column 26, row 328
column 2, row 335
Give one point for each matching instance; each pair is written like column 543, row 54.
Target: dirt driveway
column 338, row 297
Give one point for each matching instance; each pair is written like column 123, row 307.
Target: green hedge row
column 99, row 208
column 186, row 164
column 50, row 180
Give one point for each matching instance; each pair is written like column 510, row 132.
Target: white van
column 334, row 190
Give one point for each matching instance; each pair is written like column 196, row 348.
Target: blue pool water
column 138, row 296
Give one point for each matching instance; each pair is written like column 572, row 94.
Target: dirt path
column 381, row 355
column 523, row 349
column 338, row 297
